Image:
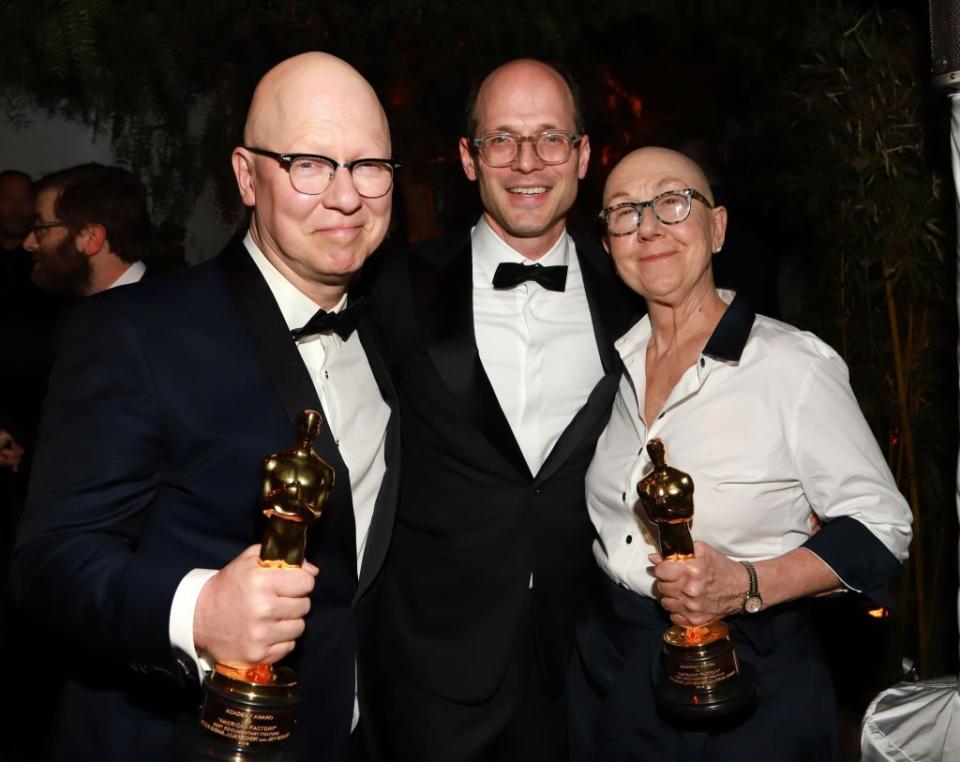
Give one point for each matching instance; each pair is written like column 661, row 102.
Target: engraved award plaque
column 703, row 677
column 249, row 710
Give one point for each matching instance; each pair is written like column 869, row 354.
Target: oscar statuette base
column 703, row 678
column 244, row 721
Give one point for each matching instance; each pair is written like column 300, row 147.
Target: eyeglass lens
column 313, row 175
column 670, row 209
column 502, row 148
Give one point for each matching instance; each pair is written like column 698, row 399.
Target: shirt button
column 629, row 539
column 702, row 362
column 661, row 415
column 624, row 497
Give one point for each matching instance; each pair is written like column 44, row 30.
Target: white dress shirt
column 769, row 436
column 132, row 274
column 354, row 410
column 537, row 346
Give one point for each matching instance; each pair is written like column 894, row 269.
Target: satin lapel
column 598, row 405
column 289, row 376
column 384, row 509
column 450, row 340
column 599, row 284
column 600, row 289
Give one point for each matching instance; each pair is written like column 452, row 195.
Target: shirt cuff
column 861, row 562
column 181, row 617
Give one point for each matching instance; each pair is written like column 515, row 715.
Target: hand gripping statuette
column 703, row 678
column 249, row 710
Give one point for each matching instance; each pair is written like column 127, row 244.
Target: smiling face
column 526, row 202
column 664, row 263
column 314, row 103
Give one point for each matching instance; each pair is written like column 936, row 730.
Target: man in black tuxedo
column 165, row 399
column 502, row 353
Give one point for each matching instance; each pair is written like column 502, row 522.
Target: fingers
column 701, row 589
column 247, row 614
column 282, row 609
column 679, row 575
column 692, row 620
column 687, row 605
column 282, row 640
column 278, row 651
column 682, row 589
column 290, row 583
column 815, row 523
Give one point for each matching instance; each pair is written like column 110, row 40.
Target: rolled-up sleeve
column 866, row 528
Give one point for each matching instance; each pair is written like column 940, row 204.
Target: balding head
column 315, row 104
column 525, row 67
column 306, row 91
column 526, row 200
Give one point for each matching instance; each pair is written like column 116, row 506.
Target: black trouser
column 613, row 716
column 520, row 722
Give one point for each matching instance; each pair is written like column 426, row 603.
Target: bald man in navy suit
column 137, row 543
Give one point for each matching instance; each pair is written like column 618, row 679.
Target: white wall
column 48, row 143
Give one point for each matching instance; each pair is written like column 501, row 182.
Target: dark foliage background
column 815, row 120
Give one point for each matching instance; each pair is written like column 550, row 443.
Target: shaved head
column 307, row 89
column 317, row 104
column 664, row 161
column 667, row 264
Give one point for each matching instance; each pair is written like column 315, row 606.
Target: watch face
column 753, row 604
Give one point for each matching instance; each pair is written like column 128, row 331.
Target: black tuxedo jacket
column 472, row 521
column 165, row 398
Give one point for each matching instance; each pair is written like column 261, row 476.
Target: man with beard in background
column 91, row 230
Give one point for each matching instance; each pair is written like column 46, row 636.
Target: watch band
column 752, row 602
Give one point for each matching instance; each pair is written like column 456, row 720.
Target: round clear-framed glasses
column 499, row 149
column 311, row 174
column 670, row 207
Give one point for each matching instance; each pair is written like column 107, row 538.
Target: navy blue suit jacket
column 165, row 398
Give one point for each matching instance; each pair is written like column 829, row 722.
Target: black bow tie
column 341, row 323
column 510, row 274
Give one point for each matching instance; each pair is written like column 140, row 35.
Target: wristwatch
column 752, row 603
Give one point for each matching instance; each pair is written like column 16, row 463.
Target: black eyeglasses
column 670, row 207
column 311, row 174
column 40, row 228
column 499, row 149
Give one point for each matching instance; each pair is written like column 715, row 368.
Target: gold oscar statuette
column 249, row 710
column 703, row 677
